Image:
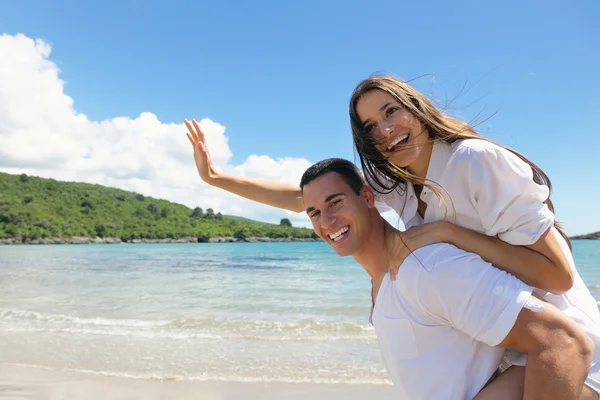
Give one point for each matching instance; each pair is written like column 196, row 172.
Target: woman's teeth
column 400, row 140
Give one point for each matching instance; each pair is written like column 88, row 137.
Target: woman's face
column 399, row 135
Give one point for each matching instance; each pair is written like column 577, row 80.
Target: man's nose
column 328, row 220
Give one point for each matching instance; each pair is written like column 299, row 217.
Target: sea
column 260, row 312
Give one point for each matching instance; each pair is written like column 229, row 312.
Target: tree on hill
column 210, row 213
column 197, row 213
column 285, row 222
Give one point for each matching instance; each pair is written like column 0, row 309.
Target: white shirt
column 492, row 192
column 438, row 323
column 485, row 188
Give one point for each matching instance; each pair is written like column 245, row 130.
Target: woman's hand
column 201, row 154
column 275, row 194
column 401, row 244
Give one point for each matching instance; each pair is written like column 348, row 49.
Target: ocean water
column 291, row 312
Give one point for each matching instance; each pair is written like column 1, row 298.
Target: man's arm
column 559, row 353
column 496, row 308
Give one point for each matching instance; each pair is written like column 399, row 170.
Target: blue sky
column 278, row 75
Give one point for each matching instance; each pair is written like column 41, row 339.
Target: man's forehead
column 324, row 186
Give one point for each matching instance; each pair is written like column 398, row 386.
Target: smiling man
column 443, row 325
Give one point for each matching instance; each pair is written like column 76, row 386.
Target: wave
column 194, row 335
column 13, row 321
column 349, row 379
column 33, row 315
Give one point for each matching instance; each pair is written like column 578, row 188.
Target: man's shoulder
column 442, row 276
column 442, row 261
column 436, row 276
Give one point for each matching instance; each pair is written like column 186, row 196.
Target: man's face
column 338, row 215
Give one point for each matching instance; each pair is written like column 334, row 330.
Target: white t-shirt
column 438, row 323
column 492, row 192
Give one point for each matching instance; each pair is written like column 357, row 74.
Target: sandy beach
column 17, row 383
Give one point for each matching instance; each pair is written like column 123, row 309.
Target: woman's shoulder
column 474, row 146
column 480, row 150
column 483, row 156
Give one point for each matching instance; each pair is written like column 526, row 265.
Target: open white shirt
column 490, row 190
column 438, row 322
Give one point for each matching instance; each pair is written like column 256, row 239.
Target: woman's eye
column 369, row 128
column 392, row 110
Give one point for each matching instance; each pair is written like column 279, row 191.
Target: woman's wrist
column 449, row 233
column 214, row 179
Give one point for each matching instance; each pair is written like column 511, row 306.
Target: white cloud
column 42, row 134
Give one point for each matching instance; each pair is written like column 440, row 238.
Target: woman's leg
column 507, row 386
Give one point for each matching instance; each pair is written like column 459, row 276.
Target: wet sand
column 17, row 383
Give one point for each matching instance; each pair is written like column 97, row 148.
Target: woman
column 448, row 184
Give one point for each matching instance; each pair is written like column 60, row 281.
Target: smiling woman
column 393, row 130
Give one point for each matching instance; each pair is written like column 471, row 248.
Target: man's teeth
column 338, row 235
column 398, row 140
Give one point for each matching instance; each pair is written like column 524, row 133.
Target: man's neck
column 375, row 255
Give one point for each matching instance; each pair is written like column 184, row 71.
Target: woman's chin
column 404, row 158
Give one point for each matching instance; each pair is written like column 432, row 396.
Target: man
column 443, row 325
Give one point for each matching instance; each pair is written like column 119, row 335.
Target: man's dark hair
column 346, row 169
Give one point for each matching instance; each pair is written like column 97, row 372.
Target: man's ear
column 368, row 195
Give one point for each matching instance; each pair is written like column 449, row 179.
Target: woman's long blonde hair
column 439, row 126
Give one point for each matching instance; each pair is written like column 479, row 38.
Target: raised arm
column 276, row 194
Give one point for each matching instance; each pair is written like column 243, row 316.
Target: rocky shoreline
column 191, row 239
column 188, row 239
column 592, row 236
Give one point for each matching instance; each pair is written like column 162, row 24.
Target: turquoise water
column 291, row 312
column 587, row 259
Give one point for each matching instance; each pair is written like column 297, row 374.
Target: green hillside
column 33, row 208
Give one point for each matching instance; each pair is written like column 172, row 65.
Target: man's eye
column 314, row 215
column 336, row 202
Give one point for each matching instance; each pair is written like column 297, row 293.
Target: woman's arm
column 517, row 225
column 517, row 222
column 276, row 194
column 542, row 264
